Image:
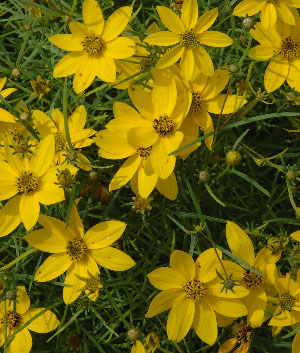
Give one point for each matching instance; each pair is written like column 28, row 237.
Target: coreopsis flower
column 287, row 302
column 5, row 116
column 30, row 181
column 18, row 313
column 93, row 46
column 187, row 34
column 241, row 246
column 40, row 87
column 78, row 134
column 270, row 11
column 77, row 253
column 92, row 285
column 188, row 289
column 281, row 45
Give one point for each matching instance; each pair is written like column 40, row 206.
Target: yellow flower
column 76, row 252
column 187, row 34
column 4, row 115
column 287, row 302
column 93, row 46
column 34, row 179
column 92, row 285
column 56, row 126
column 40, row 87
column 241, row 246
column 280, row 44
column 270, row 10
column 17, row 314
column 186, row 289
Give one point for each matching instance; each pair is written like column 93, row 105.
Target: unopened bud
column 68, row 19
column 248, row 23
column 233, row 68
column 229, row 283
column 72, row 155
column 290, row 97
column 27, row 26
column 204, row 176
column 233, row 158
column 133, row 334
column 10, row 295
column 16, row 72
column 290, row 175
column 93, row 175
column 24, row 116
column 65, row 178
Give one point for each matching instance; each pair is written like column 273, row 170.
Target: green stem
column 66, row 114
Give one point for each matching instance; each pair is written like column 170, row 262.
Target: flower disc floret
column 92, row 44
column 13, row 320
column 189, row 39
column 195, row 289
column 144, row 152
column 251, row 279
column 41, row 87
column 76, row 249
column 197, row 102
column 287, row 301
column 163, row 125
column 289, row 47
column 59, row 142
column 27, row 182
column 245, row 334
column 92, row 284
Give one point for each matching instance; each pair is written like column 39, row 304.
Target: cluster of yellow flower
column 40, row 155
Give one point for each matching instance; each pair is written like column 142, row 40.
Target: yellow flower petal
column 85, row 74
column 205, row 323
column 146, row 183
column 104, row 234
column 256, row 303
column 296, row 235
column 143, row 136
column 162, row 38
column 183, row 265
column 209, row 263
column 268, row 15
column 9, row 216
column 66, row 42
column 248, row 8
column 23, row 302
column 42, row 324
column 92, row 16
column 285, row 13
column 43, row 156
column 113, row 259
column 44, row 240
column 105, row 69
column 67, row 65
column 6, row 116
column 164, row 301
column 57, row 227
column 187, row 63
column 170, row 57
column 6, row 92
column 262, row 52
column 120, row 48
column 293, row 78
column 3, row 81
column 125, row 173
column 232, row 104
column 165, row 278
column 296, row 343
column 206, row 21
column 116, row 23
column 50, row 193
column 54, row 266
column 164, row 95
column 168, row 187
column 189, row 13
column 22, row 339
column 214, row 39
column 180, row 319
column 162, row 164
column 228, row 306
column 170, row 19
column 276, row 73
column 143, row 101
column 79, row 29
column 239, row 242
column 7, row 190
column 203, row 61
column 29, row 208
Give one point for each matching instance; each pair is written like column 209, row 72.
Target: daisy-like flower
column 78, row 134
column 33, row 179
column 40, row 87
column 187, row 36
column 287, row 302
column 270, row 10
column 77, row 253
column 241, row 246
column 17, row 314
column 93, row 46
column 186, row 289
column 92, row 285
column 280, row 44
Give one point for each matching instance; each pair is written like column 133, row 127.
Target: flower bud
column 65, row 178
column 133, row 334
column 290, row 175
column 93, row 175
column 24, row 116
column 204, row 176
column 68, row 19
column 10, row 295
column 229, row 283
column 15, row 72
column 27, row 27
column 247, row 23
column 290, row 97
column 274, row 244
column 233, row 158
column 233, row 68
column 72, row 155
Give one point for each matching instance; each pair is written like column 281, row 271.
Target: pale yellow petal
column 105, row 69
column 44, row 323
column 276, row 73
column 66, row 42
column 120, row 48
column 214, row 39
column 248, row 8
column 67, row 65
column 43, row 156
column 54, row 266
column 205, row 322
column 189, row 13
column 268, row 15
column 203, row 60
column 168, row 187
column 183, row 265
column 116, row 23
column 85, row 73
column 113, row 259
column 170, row 19
column 9, row 216
column 170, row 57
column 206, row 21
column 162, row 38
column 187, row 63
column 92, row 16
column 29, row 209
column 164, row 301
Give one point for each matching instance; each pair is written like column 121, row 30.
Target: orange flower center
column 27, row 182
column 76, row 249
column 144, row 152
column 197, row 103
column 287, row 301
column 195, row 289
column 163, row 125
column 289, row 47
column 59, row 141
column 252, row 279
column 12, row 320
column 189, row 39
column 92, row 44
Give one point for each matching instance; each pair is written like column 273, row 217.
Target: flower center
column 144, row 152
column 163, row 125
column 41, row 87
column 287, row 301
column 76, row 249
column 189, row 39
column 92, row 284
column 245, row 334
column 92, row 44
column 27, row 182
column 252, row 279
column 197, row 103
column 59, row 141
column 289, row 47
column 146, row 61
column 195, row 289
column 12, row 320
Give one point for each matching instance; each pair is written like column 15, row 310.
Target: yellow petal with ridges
column 44, row 240
column 296, row 343
column 285, row 13
column 239, row 242
column 54, row 266
column 142, row 101
column 162, row 164
column 22, row 339
column 165, row 278
column 180, row 319
column 44, row 323
column 105, row 69
column 104, row 234
column 205, row 322
column 170, row 57
column 183, row 265
column 189, row 13
column 229, row 307
column 9, row 216
column 214, row 84
column 214, row 39
column 66, row 42
column 7, row 190
column 206, row 21
column 92, row 16
column 187, row 63
column 268, row 15
column 146, row 183
column 43, row 156
column 164, row 95
column 262, row 52
column 170, row 19
column 162, row 38
column 29, row 209
column 168, row 187
column 143, row 136
column 256, row 303
column 113, row 259
column 57, row 227
column 248, row 8
column 2, row 82
column 203, row 61
column 296, row 235
column 116, row 23
column 120, row 48
column 6, row 92
column 164, row 301
column 232, row 104
column 23, row 303
column 79, row 29
column 276, row 73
